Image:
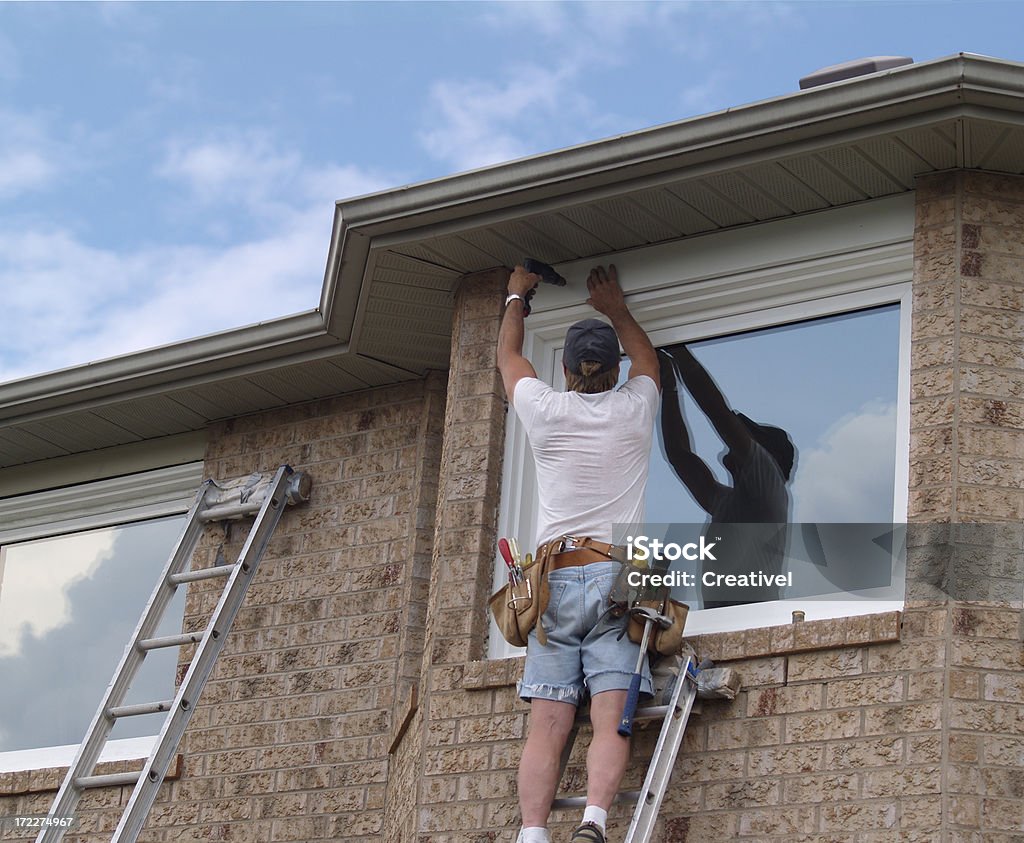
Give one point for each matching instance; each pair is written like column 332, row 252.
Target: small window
column 68, row 606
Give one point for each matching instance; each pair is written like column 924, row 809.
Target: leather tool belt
column 576, row 551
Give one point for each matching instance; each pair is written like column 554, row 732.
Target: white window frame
column 89, row 506
column 741, row 280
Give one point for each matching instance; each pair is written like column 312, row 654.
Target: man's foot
column 588, row 833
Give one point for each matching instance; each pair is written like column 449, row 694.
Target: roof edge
column 166, row 365
column 916, row 88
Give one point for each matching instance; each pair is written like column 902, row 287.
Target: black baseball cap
column 591, row 339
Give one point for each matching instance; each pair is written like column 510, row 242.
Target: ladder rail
column 141, row 801
column 89, row 750
column 663, row 760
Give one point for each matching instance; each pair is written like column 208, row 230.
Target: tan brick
column 924, row 812
column 858, row 754
column 964, row 684
column 821, row 788
column 1002, row 751
column 963, row 810
column 829, row 664
column 977, row 716
column 869, row 690
column 785, row 760
column 989, row 351
column 717, row 766
column 826, row 725
column 777, row 822
column 911, row 655
column 769, row 701
column 859, row 815
column 925, row 412
column 1003, row 687
column 925, row 353
column 924, row 749
column 731, row 734
column 936, row 267
column 902, row 719
column 750, row 793
column 926, row 685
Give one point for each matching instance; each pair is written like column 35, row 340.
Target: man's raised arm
column 511, row 363
column 606, row 297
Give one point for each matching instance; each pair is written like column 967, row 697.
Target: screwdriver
column 514, row 575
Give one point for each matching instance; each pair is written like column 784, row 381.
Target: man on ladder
column 591, row 445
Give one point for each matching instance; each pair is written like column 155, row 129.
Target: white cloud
column 69, row 302
column 474, row 122
column 22, row 170
column 478, row 123
column 849, row 475
column 239, row 168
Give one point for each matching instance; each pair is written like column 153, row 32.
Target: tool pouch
column 517, row 607
column 623, row 595
column 662, row 642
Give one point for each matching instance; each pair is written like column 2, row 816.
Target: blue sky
column 169, row 170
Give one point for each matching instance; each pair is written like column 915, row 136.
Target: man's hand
column 605, row 293
column 522, row 282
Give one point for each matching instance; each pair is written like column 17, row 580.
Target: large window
column 830, row 389
column 802, row 325
column 76, row 569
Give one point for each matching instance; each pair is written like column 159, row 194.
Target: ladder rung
column 230, row 510
column 201, row 574
column 109, row 780
column 140, row 708
column 170, row 641
column 581, row 801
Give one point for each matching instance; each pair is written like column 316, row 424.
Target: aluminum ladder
column 256, row 496
column 675, row 714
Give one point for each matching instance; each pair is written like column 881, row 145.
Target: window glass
column 68, row 606
column 831, row 385
column 822, row 391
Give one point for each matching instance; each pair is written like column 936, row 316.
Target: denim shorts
column 584, row 653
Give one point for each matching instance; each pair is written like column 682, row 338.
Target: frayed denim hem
column 617, row 680
column 555, row 693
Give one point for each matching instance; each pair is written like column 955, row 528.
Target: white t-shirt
column 591, row 452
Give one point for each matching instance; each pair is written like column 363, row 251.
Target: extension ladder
column 648, row 799
column 257, row 496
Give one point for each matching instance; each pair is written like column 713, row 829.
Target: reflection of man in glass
column 759, row 459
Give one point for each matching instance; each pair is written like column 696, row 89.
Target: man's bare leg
column 608, row 754
column 550, row 724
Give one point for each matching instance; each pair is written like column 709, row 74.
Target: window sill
column 801, row 637
column 24, row 782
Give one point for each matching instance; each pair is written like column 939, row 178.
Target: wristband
column 511, row 297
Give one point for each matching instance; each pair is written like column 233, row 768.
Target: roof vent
column 850, row 69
